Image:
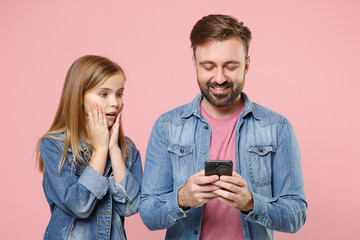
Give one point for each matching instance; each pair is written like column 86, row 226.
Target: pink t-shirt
column 220, row 221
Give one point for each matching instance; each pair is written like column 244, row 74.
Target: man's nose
column 220, row 76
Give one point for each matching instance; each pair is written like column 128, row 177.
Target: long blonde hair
column 84, row 74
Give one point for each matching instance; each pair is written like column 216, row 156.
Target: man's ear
column 247, row 64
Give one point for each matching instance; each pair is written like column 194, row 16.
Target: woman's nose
column 114, row 101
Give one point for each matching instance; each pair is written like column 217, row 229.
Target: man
column 265, row 191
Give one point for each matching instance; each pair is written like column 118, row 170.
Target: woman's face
column 108, row 96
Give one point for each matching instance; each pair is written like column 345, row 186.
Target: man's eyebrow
column 232, row 62
column 206, row 62
column 227, row 62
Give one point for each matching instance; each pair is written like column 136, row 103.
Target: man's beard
column 220, row 100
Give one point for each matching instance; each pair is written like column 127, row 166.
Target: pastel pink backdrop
column 304, row 64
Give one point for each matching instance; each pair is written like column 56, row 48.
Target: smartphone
column 223, row 167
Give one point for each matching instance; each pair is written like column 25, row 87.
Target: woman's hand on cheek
column 117, row 162
column 99, row 132
column 114, row 132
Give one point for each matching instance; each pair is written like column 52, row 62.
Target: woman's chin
column 110, row 123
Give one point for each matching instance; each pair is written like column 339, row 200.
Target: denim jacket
column 266, row 155
column 83, row 203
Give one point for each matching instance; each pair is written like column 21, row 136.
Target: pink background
column 304, row 64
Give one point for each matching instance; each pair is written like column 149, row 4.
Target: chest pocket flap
column 181, row 150
column 261, row 150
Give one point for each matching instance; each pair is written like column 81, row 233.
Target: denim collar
column 194, row 108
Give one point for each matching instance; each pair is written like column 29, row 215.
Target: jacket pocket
column 260, row 164
column 181, row 158
column 78, row 229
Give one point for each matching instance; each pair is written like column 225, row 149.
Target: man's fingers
column 238, row 197
column 201, row 179
column 209, row 195
column 225, row 185
column 200, row 173
column 227, row 202
column 225, row 194
column 234, row 179
column 202, row 188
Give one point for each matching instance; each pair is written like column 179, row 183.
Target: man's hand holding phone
column 232, row 188
column 198, row 190
column 216, row 181
column 233, row 191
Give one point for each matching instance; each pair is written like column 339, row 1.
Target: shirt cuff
column 259, row 213
column 94, row 182
column 175, row 211
column 126, row 190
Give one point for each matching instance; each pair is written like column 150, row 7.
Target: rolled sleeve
column 94, row 182
column 175, row 211
column 127, row 190
column 258, row 214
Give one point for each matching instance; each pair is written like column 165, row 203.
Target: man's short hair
column 217, row 27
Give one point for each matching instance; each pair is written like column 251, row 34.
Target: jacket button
column 203, row 151
column 195, row 232
column 206, row 127
column 182, row 150
column 260, row 150
column 256, row 217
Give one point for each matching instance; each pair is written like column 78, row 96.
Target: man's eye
column 231, row 68
column 208, row 67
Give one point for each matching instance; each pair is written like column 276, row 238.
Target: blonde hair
column 84, row 74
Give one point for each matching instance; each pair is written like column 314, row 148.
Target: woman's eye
column 103, row 94
column 119, row 95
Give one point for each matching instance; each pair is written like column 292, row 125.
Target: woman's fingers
column 101, row 117
column 96, row 116
column 97, row 119
column 121, row 110
column 90, row 116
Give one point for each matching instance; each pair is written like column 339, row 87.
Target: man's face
column 221, row 69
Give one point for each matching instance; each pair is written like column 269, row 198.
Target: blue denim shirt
column 267, row 157
column 83, row 203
